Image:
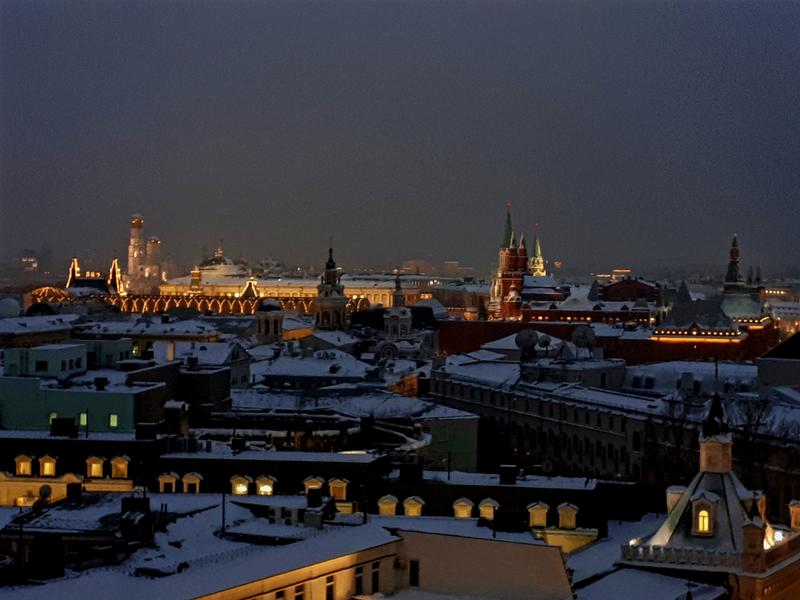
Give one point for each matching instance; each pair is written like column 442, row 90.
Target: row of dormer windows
column 243, row 485
column 95, row 466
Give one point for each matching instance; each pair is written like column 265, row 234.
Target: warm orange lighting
column 683, row 339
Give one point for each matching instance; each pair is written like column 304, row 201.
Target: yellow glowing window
column 703, row 525
column 265, row 489
column 23, row 467
column 84, row 419
column 240, row 489
column 52, row 416
column 96, row 469
column 119, row 469
column 48, row 468
column 113, row 420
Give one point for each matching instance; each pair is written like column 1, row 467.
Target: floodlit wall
column 314, row 578
column 456, row 565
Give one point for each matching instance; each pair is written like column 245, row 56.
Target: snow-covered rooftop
column 146, row 326
column 381, row 404
column 22, row 325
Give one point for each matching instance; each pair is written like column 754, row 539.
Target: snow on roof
column 665, row 374
column 295, row 321
column 21, row 325
column 451, row 526
column 324, row 363
column 491, row 479
column 382, row 405
column 642, row 585
column 335, row 338
column 207, row 353
column 224, row 452
column 602, row 554
column 114, row 436
column 145, row 326
column 622, row 403
column 214, row 563
column 439, row 311
column 264, row 351
column 489, row 372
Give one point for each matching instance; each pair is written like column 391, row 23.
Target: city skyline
column 275, row 126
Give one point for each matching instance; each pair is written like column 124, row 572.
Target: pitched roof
column 706, row 314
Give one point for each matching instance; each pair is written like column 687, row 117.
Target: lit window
column 113, row 420
column 84, row 419
column 265, row 489
column 240, row 489
column 119, row 468
column 51, row 417
column 23, row 465
column 94, row 467
column 47, row 466
column 703, row 525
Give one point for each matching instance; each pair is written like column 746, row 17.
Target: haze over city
column 633, row 133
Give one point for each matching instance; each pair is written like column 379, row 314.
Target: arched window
column 703, row 521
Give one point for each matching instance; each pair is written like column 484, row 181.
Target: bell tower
column 136, row 246
column 331, row 301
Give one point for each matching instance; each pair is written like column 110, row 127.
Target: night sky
column 634, row 133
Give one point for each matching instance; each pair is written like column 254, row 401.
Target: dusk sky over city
column 417, row 300
column 633, row 133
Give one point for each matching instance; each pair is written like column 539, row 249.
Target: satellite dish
column 45, row 492
column 526, row 339
column 544, row 341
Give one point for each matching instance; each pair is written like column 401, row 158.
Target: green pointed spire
column 509, row 231
column 537, row 246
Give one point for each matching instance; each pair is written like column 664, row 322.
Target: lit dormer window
column 47, row 466
column 119, row 467
column 265, row 485
column 704, row 504
column 338, row 488
column 703, row 521
column 240, row 485
column 23, row 465
column 94, row 467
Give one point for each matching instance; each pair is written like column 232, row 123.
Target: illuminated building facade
column 716, row 525
column 144, row 271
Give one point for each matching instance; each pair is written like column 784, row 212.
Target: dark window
column 168, row 489
column 413, row 573
column 41, row 366
column 637, row 382
column 376, row 577
column 359, row 580
column 280, row 594
column 299, row 592
column 329, row 587
column 191, row 488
